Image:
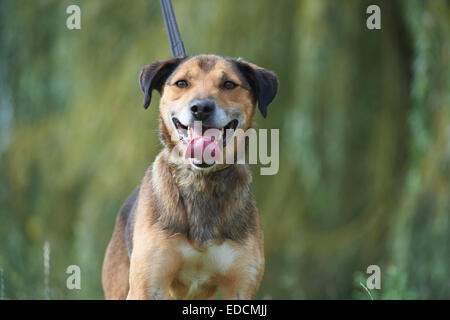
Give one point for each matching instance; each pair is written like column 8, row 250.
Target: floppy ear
column 153, row 76
column 264, row 83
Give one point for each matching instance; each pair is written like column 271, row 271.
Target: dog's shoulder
column 127, row 213
column 127, row 216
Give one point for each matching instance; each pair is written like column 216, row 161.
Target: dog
column 191, row 228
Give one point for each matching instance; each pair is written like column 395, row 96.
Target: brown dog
column 192, row 227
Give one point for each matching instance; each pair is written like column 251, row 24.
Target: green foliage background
column 364, row 119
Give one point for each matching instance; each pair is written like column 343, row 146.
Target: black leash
column 176, row 45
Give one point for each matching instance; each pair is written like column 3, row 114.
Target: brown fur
column 185, row 233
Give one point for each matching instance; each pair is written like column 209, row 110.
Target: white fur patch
column 200, row 266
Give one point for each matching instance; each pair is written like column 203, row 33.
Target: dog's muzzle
column 204, row 143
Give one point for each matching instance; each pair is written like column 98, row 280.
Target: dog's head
column 219, row 92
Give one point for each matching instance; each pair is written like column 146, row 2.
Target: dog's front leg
column 239, row 288
column 152, row 270
column 242, row 283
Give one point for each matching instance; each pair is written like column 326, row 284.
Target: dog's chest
column 201, row 269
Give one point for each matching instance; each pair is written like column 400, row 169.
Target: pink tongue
column 202, row 148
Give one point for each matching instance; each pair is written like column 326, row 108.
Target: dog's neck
column 215, row 205
column 214, row 183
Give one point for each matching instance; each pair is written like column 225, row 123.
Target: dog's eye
column 182, row 84
column 229, row 85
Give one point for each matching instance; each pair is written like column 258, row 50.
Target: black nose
column 202, row 109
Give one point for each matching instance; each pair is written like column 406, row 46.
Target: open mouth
column 203, row 141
